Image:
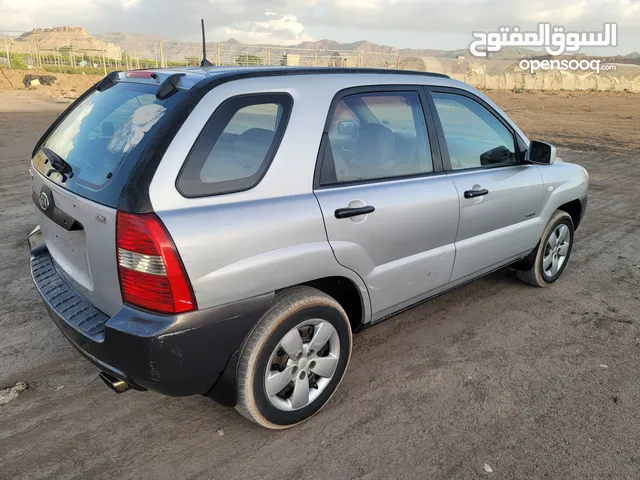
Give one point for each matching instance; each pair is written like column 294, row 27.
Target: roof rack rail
column 257, row 72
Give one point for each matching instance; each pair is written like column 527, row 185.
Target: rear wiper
column 58, row 164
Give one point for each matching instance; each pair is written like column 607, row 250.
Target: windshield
column 102, row 138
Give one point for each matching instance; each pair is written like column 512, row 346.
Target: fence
column 108, row 56
column 79, row 52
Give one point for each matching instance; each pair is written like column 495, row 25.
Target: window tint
column 395, row 112
column 342, row 113
column 243, row 144
column 236, row 146
column 475, row 138
column 376, row 135
column 103, row 137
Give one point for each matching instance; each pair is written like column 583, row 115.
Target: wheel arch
column 566, row 188
column 527, row 262
column 573, row 208
column 348, row 294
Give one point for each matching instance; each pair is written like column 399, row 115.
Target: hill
column 133, row 42
column 50, row 39
column 145, row 46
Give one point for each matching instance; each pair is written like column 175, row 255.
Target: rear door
column 500, row 196
column 78, row 174
column 390, row 213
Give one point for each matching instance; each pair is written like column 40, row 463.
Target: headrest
column 376, row 144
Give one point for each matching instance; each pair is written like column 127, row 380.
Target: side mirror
column 348, row 128
column 540, row 153
column 495, row 156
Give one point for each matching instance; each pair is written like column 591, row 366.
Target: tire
column 537, row 275
column 312, row 315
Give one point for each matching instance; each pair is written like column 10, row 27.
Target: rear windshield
column 102, row 138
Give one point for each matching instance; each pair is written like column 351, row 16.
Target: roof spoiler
column 169, row 86
column 108, row 81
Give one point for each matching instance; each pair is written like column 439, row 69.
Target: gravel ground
column 531, row 382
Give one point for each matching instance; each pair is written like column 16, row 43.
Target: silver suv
column 224, row 231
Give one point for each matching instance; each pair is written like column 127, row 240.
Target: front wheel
column 553, row 252
column 294, row 358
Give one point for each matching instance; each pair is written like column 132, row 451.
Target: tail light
column 141, row 74
column 151, row 273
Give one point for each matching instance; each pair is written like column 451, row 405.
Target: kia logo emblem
column 44, row 201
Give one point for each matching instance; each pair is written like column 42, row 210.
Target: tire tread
column 533, row 276
column 284, row 304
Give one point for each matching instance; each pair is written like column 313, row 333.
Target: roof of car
column 210, row 76
column 273, row 71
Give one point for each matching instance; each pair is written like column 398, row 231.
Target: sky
column 438, row 24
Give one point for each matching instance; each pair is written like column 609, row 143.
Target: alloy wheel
column 302, row 365
column 556, row 250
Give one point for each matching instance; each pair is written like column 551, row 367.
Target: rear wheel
column 293, row 360
column 553, row 252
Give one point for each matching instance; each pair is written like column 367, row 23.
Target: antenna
column 204, row 62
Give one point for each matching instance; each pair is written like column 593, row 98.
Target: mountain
column 141, row 44
column 146, row 46
column 57, row 38
column 126, row 38
column 360, row 46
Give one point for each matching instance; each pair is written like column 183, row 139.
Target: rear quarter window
column 236, row 146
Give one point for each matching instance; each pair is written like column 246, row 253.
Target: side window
column 236, row 145
column 342, row 114
column 374, row 136
column 475, row 138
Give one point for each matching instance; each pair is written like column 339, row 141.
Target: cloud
column 417, row 23
column 274, row 29
column 375, row 5
column 18, row 15
column 424, row 16
column 127, row 4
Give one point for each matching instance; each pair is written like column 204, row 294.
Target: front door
column 500, row 196
column 389, row 215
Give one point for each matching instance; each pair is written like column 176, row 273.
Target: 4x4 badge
column 101, row 219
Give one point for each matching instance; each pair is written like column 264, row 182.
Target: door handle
column 475, row 193
column 352, row 212
column 54, row 213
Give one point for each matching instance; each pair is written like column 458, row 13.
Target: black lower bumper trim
column 98, row 363
column 175, row 355
column 224, row 391
column 80, row 314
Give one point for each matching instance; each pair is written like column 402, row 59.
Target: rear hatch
column 79, row 172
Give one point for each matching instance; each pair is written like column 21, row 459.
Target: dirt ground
column 535, row 383
column 590, row 121
column 65, row 85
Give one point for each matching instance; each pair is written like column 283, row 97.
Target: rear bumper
column 175, row 355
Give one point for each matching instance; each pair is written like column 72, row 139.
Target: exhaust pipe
column 115, row 384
